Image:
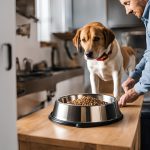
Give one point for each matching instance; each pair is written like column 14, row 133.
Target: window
column 54, row 16
column 44, row 23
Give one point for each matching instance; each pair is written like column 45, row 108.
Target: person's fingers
column 125, row 86
column 126, row 89
column 122, row 101
column 128, row 84
column 129, row 97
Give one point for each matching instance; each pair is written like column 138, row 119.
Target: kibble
column 87, row 101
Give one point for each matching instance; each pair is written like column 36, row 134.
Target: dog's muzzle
column 89, row 54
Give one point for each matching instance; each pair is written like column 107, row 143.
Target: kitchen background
column 27, row 35
column 36, row 21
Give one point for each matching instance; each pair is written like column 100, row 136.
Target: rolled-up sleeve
column 143, row 85
column 136, row 74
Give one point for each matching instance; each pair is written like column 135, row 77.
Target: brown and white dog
column 106, row 60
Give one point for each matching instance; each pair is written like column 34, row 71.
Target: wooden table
column 37, row 132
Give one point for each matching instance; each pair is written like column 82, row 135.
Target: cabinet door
column 8, row 134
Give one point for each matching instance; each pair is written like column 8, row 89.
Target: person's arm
column 143, row 85
column 136, row 74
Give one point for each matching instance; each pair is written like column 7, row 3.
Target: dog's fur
column 106, row 60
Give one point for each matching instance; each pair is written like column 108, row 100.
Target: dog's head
column 94, row 39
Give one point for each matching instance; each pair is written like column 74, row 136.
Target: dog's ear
column 76, row 40
column 109, row 36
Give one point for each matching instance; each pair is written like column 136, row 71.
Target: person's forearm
column 136, row 74
column 143, row 85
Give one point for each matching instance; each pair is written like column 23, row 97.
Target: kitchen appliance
column 85, row 116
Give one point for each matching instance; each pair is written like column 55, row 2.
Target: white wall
column 30, row 47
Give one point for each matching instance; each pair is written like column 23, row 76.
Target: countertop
column 37, row 132
column 48, row 81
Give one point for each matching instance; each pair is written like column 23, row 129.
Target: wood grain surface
column 37, row 132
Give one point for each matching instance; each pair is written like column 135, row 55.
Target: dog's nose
column 89, row 54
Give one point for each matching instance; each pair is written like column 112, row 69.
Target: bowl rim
column 103, row 94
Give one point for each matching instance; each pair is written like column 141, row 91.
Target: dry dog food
column 87, row 101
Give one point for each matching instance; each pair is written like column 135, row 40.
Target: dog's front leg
column 94, row 79
column 117, row 84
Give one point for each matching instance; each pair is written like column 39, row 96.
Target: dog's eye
column 127, row 3
column 96, row 39
column 83, row 40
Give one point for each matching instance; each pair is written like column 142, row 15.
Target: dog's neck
column 106, row 54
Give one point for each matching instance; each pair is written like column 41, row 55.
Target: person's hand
column 129, row 97
column 128, row 84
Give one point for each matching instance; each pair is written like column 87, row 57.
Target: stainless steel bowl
column 85, row 116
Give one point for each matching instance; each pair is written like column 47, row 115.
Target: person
column 138, row 82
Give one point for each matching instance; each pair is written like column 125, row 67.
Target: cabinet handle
column 9, row 49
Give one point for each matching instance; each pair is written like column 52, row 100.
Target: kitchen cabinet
column 26, row 8
column 8, row 133
column 37, row 132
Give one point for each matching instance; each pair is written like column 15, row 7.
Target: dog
column 106, row 60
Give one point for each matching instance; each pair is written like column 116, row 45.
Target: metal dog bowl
column 85, row 116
